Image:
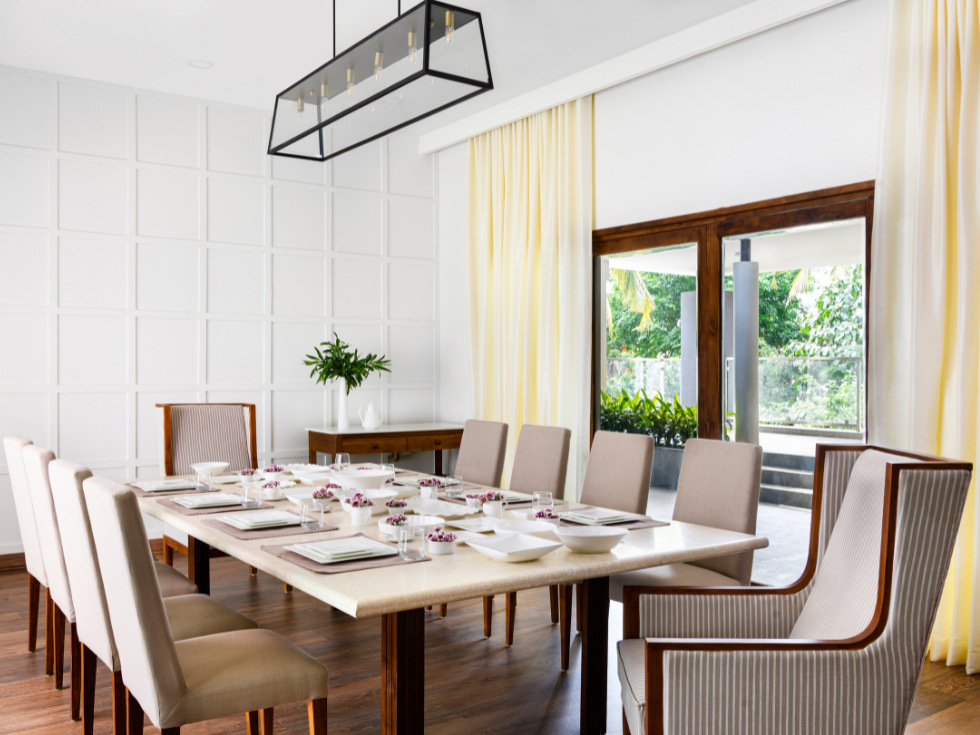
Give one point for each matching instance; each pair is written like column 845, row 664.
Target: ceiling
column 811, row 246
column 260, row 48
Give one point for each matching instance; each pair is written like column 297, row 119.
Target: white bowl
column 473, row 502
column 271, row 475
column 440, row 548
column 426, row 522
column 371, row 479
column 214, row 468
column 531, row 528
column 591, row 539
column 517, row 548
column 378, row 497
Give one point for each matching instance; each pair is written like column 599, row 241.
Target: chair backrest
column 139, row 619
column 844, row 593
column 618, row 473
column 206, row 432
column 13, row 447
column 36, row 461
column 541, row 460
column 481, row 452
column 719, row 487
column 82, row 561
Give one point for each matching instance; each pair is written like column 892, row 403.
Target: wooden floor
column 473, row 685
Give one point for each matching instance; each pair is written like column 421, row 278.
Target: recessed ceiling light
column 200, row 64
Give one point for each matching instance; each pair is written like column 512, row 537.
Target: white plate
column 207, row 501
column 260, row 520
column 342, row 549
column 214, row 468
column 531, row 528
column 440, row 508
column 601, row 516
column 426, row 522
column 464, row 537
column 475, row 525
column 158, row 486
column 370, row 479
column 591, row 539
column 517, row 548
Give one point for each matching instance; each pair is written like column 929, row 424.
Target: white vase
column 494, row 509
column 360, row 516
column 343, row 422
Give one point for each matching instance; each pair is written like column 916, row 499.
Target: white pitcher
column 369, row 417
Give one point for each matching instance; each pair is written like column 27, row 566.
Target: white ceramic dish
column 591, row 539
column 531, row 528
column 441, row 548
column 378, row 497
column 440, row 508
column 214, row 468
column 516, row 548
column 426, row 522
column 474, row 525
column 371, row 479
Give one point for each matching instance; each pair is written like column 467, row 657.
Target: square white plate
column 261, row 519
column 207, row 501
column 343, row 549
column 475, row 525
column 516, row 548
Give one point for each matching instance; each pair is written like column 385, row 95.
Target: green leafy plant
column 337, row 361
column 670, row 423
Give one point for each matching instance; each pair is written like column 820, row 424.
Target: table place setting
column 201, row 504
column 606, row 517
column 169, row 486
column 352, row 553
column 252, row 525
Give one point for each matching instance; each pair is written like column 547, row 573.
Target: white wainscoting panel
column 152, row 252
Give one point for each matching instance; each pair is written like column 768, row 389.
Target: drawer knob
column 374, row 446
column 438, row 442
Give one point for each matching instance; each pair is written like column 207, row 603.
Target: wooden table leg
column 553, row 593
column 510, row 617
column 565, row 592
column 119, row 696
column 88, row 690
column 33, row 598
column 48, row 633
column 58, row 639
column 438, row 462
column 403, row 673
column 595, row 653
column 76, row 675
column 487, row 616
column 199, row 564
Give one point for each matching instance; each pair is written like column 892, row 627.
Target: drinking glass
column 455, row 487
column 342, row 460
column 204, row 482
column 411, row 542
column 542, row 501
column 252, row 493
column 389, row 481
column 311, row 517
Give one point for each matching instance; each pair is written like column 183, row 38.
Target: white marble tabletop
column 464, row 575
column 384, row 429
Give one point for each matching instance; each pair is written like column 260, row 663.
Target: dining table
column 399, row 595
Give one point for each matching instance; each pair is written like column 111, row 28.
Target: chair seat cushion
column 242, row 671
column 632, row 680
column 669, row 575
column 172, row 582
column 193, row 616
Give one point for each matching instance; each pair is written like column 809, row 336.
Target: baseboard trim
column 12, row 562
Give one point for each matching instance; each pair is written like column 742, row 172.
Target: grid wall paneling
column 150, row 252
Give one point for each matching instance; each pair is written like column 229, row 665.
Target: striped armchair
column 206, row 432
column 837, row 652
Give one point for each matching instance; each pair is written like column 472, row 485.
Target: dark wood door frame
column 708, row 229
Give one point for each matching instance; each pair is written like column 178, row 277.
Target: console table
column 395, row 438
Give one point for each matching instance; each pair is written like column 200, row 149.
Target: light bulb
column 350, row 81
column 323, row 96
column 412, row 45
column 299, row 107
column 450, row 23
column 379, row 58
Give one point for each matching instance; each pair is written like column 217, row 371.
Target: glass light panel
column 376, row 87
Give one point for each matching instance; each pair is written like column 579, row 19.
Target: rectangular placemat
column 208, row 511
column 264, row 532
column 342, row 566
column 140, row 493
column 629, row 526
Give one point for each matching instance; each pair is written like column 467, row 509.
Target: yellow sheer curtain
column 530, row 276
column 924, row 331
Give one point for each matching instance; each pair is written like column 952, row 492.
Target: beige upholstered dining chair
column 841, row 649
column 481, row 452
column 36, row 577
column 178, row 683
column 718, row 487
column 540, row 465
column 204, row 432
column 617, row 477
column 190, row 615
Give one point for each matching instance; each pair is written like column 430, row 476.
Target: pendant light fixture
column 429, row 58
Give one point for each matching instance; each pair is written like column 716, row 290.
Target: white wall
column 151, row 252
column 790, row 110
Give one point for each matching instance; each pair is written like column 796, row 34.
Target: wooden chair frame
column 656, row 647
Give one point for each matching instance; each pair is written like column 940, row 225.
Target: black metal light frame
column 425, row 70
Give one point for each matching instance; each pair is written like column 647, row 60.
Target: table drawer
column 373, row 446
column 432, row 442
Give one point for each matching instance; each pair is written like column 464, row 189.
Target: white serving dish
column 212, row 468
column 426, row 522
column 475, row 525
column 378, row 497
column 516, row 548
column 441, row 548
column 591, row 539
column 271, row 475
column 440, row 508
column 371, row 479
column 531, row 528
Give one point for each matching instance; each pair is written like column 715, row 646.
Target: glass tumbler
column 454, row 488
column 204, row 482
column 542, row 501
column 411, row 542
column 342, row 460
column 252, row 493
column 311, row 516
column 389, row 481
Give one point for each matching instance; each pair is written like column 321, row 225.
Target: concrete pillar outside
column 689, row 348
column 746, row 348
